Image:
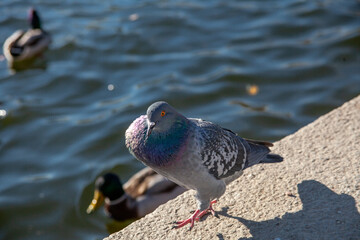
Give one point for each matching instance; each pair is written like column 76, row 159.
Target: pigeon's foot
column 210, row 209
column 190, row 220
column 196, row 216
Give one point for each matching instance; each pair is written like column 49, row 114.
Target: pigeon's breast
column 160, row 148
column 166, row 148
column 135, row 136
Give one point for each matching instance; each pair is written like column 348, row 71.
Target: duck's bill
column 96, row 202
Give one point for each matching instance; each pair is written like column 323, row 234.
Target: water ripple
column 66, row 116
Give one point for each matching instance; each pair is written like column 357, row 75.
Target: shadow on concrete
column 325, row 215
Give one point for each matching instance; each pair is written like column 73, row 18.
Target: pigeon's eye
column 162, row 113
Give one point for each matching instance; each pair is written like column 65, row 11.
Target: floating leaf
column 252, row 89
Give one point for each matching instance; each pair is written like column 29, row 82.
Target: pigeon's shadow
column 325, row 215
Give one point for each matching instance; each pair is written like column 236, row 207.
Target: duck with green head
column 25, row 45
column 141, row 195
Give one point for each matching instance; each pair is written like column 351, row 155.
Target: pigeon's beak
column 151, row 125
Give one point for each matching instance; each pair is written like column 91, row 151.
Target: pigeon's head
column 161, row 117
column 106, row 186
column 34, row 19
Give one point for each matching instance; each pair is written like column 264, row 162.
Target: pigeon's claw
column 210, row 209
column 190, row 220
column 196, row 216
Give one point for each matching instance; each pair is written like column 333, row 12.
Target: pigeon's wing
column 257, row 142
column 222, row 152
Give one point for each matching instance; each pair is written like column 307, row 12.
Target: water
column 63, row 121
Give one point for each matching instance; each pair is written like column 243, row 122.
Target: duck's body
column 140, row 195
column 26, row 45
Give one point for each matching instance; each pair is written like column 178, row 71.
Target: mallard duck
column 140, row 195
column 21, row 45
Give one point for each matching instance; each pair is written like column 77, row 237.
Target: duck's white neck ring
column 116, row 201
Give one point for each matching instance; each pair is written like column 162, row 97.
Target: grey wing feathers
column 222, row 152
column 258, row 151
column 267, row 144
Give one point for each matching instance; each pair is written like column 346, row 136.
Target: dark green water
column 63, row 126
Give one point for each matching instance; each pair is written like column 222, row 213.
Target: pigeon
column 193, row 153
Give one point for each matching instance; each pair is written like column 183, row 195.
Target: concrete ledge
column 313, row 194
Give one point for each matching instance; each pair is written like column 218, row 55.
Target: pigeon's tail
column 272, row 158
column 259, row 152
column 259, row 143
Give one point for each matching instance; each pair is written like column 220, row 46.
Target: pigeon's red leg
column 202, row 213
column 190, row 220
column 196, row 216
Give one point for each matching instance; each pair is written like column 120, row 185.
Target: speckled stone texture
column 313, row 194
